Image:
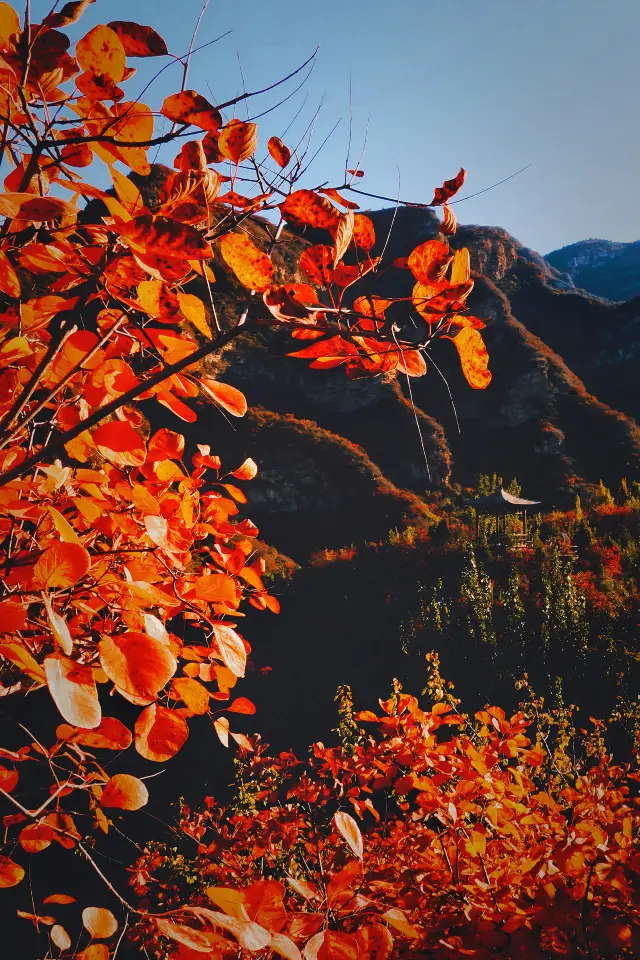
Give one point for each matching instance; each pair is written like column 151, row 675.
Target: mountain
column 603, row 267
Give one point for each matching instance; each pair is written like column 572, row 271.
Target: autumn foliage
column 127, row 561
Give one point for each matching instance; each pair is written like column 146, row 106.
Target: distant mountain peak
column 605, row 268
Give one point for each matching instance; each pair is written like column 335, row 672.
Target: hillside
column 602, row 267
column 335, row 451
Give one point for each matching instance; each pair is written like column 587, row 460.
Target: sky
column 419, row 88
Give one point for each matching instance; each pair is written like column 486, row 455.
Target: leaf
column 460, row 267
column 221, row 727
column 165, row 238
column 36, row 837
column 342, row 236
column 64, row 528
column 137, row 664
column 189, row 937
column 448, row 189
column 137, row 40
column 74, row 692
column 247, row 470
column 9, row 281
column 364, row 234
column 110, row 734
column 61, row 565
column 128, row 193
column 349, row 829
column 374, row 941
column 160, row 733
column 229, row 900
column 241, row 705
column 190, row 107
column 124, row 792
column 24, row 206
column 280, row 153
column 11, row 873
column 13, row 616
column 96, row 951
column 62, row 898
column 399, row 922
column 59, row 627
column 449, row 223
column 193, row 309
column 429, row 261
column 252, row 267
column 231, row 649
column 305, row 206
column 192, row 693
column 474, row 358
column 21, row 658
column 412, row 363
column 9, row 26
column 331, row 945
column 264, row 901
column 237, row 140
column 216, row 588
column 251, row 936
column 59, row 936
column 120, row 443
column 283, row 945
column 101, row 53
column 227, row 397
column 99, row 922
column 165, row 445
column 70, row 13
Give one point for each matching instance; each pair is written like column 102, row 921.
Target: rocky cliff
column 603, row 267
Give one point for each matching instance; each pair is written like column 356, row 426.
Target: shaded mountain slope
column 603, row 267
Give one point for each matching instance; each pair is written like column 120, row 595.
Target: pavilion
column 501, row 504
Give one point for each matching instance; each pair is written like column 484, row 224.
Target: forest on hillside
column 380, row 723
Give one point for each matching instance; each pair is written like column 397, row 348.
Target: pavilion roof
column 503, row 502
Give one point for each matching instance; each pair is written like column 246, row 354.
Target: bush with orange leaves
column 425, row 833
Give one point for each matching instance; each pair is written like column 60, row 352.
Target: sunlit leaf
column 137, row 664
column 124, row 792
column 62, row 565
column 101, row 52
column 226, row 396
column 474, row 358
column 99, row 922
column 73, row 689
column 160, row 733
column 138, row 40
column 349, row 829
column 252, row 267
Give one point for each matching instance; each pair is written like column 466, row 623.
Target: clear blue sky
column 491, row 85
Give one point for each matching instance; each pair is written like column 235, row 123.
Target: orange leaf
column 110, row 734
column 11, row 873
column 63, row 898
column 70, row 13
column 124, row 792
column 364, row 234
column 60, row 937
column 62, row 565
column 264, row 901
column 429, row 261
column 13, row 616
column 165, row 238
column 216, row 588
column 99, row 922
column 231, row 649
column 18, row 655
column 9, row 281
column 165, row 445
column 412, row 363
column 349, row 829
column 227, row 397
column 120, row 443
column 342, row 236
column 192, row 693
column 283, row 945
column 137, row 40
column 9, row 26
column 73, row 689
column 331, row 945
column 137, row 664
column 96, row 951
column 448, row 189
column 375, row 942
column 280, row 153
column 36, row 837
column 449, row 223
column 252, row 267
column 100, row 52
column 241, row 705
column 237, row 140
column 24, row 206
column 305, row 206
column 160, row 733
column 187, row 936
column 246, row 471
column 191, row 107
column 474, row 358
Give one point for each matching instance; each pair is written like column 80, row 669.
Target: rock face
column 602, row 267
column 346, row 461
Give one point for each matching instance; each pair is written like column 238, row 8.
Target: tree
column 126, row 563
